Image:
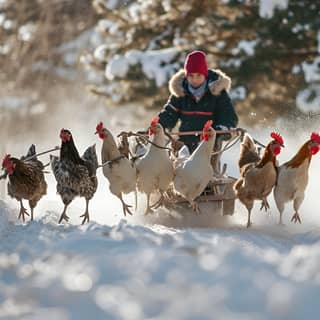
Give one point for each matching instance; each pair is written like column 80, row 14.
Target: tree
column 263, row 51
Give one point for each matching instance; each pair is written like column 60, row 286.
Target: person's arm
column 170, row 113
column 226, row 115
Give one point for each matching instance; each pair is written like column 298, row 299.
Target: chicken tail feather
column 31, row 153
column 248, row 151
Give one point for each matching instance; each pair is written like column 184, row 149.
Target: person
column 198, row 94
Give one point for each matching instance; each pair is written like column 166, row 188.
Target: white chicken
column 155, row 168
column 194, row 173
column 293, row 177
column 118, row 169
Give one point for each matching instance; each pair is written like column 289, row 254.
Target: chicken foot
column 195, row 207
column 23, row 211
column 264, row 205
column 125, row 207
column 296, row 218
column 164, row 201
column 64, row 215
column 86, row 213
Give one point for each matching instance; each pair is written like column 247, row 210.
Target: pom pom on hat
column 196, row 63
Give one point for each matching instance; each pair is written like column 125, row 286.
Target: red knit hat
column 196, row 63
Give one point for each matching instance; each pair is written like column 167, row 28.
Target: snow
column 124, row 268
column 156, row 64
column 27, row 32
column 312, row 70
column 238, row 93
column 308, row 100
column 267, row 7
column 246, row 46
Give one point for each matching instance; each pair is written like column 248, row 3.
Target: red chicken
column 258, row 176
column 293, row 177
column 75, row 175
column 26, row 180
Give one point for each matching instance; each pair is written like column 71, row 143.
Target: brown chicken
column 258, row 176
column 26, row 180
column 293, row 177
column 75, row 175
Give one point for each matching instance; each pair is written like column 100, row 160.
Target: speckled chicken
column 118, row 169
column 293, row 177
column 26, row 180
column 194, row 173
column 258, row 176
column 75, row 175
column 155, row 168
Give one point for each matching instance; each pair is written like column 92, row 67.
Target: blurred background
column 127, row 50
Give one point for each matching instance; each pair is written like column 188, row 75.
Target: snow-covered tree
column 266, row 47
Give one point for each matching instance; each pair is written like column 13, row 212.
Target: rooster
column 194, row 173
column 155, row 168
column 75, row 175
column 293, row 177
column 26, row 180
column 118, row 169
column 258, row 176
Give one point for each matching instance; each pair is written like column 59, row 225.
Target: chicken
column 155, row 168
column 117, row 168
column 26, row 180
column 194, row 173
column 75, row 175
column 257, row 176
column 293, row 177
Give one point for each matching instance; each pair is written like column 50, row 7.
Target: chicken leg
column 64, row 215
column 86, row 213
column 148, row 209
column 32, row 204
column 249, row 207
column 22, row 212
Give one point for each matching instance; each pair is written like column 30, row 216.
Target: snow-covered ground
column 113, row 268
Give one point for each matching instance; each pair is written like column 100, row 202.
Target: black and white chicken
column 75, row 175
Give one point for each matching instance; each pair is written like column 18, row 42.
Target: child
column 198, row 95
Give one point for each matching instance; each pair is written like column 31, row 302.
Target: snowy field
column 135, row 269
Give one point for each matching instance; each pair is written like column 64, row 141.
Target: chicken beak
column 96, row 132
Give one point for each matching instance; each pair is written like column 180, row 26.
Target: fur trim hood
column 218, row 81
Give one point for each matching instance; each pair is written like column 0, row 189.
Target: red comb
column 155, row 120
column 276, row 136
column 99, row 126
column 207, row 125
column 315, row 137
column 6, row 160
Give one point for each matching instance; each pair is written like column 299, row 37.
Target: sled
column 220, row 190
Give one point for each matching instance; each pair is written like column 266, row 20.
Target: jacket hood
column 218, row 81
